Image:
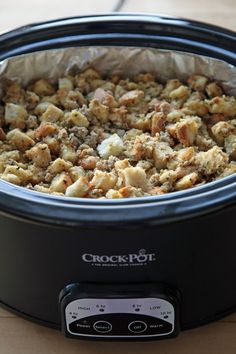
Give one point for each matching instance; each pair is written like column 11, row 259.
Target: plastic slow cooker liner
column 127, row 61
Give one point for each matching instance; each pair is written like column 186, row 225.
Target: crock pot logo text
column 132, row 259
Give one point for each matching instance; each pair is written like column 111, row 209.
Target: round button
column 137, row 326
column 102, row 326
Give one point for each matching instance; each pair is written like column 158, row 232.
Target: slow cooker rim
column 21, row 202
column 200, row 25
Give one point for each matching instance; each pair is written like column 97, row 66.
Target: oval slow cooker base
column 56, row 326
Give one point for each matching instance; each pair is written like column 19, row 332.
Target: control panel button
column 102, row 326
column 137, row 327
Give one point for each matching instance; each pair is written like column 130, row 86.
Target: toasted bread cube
column 158, row 123
column 136, row 177
column 90, row 74
column 77, row 118
column 225, row 105
column 76, row 172
column 23, row 175
column 65, row 83
column 52, row 114
column 161, row 154
column 230, row 146
column 6, row 156
column 187, row 181
column 99, row 110
column 221, row 130
column 43, row 88
column 180, row 92
column 53, row 144
column 14, row 94
column 111, row 146
column 187, row 130
column 60, row 183
column 19, row 139
column 40, row 155
column 79, row 188
column 89, row 162
column 45, row 129
column 122, row 164
column 11, row 178
column 41, row 108
column 168, row 176
column 68, row 153
column 229, row 170
column 113, row 194
column 170, row 86
column 71, row 99
column 214, row 90
column 197, row 82
column 131, row 98
column 59, row 165
column 32, row 100
column 211, row 161
column 103, row 180
column 15, row 115
column 105, row 98
column 42, row 189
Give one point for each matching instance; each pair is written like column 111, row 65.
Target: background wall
column 15, row 13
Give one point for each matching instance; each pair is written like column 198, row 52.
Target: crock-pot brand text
column 130, row 259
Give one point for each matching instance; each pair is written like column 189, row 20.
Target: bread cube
column 79, row 188
column 52, row 114
column 15, row 115
column 40, row 155
column 19, row 139
column 104, row 180
column 111, row 146
column 60, row 182
column 136, row 177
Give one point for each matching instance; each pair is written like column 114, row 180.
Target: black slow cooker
column 120, row 269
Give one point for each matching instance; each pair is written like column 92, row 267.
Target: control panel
column 119, row 311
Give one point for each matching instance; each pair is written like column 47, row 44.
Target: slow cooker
column 142, row 268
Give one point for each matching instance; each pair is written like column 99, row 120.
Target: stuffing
column 90, row 136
